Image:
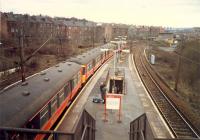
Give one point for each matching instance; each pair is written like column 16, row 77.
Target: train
column 40, row 101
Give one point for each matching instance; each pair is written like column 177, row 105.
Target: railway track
column 176, row 122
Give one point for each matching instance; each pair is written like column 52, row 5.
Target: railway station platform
column 135, row 102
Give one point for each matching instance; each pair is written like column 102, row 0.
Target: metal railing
column 140, row 130
column 9, row 133
column 84, row 130
column 176, row 139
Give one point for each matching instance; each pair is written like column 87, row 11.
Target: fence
column 84, row 130
column 140, row 130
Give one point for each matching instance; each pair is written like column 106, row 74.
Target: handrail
column 86, row 120
column 38, row 131
column 85, row 128
column 176, row 139
column 142, row 134
column 144, row 114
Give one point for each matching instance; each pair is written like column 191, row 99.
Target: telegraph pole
column 21, row 44
column 177, row 76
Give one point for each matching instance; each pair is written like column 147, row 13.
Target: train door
column 68, row 90
column 90, row 66
column 105, row 55
column 83, row 74
column 102, row 58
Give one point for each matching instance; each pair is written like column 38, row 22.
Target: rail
column 169, row 112
column 140, row 129
column 182, row 108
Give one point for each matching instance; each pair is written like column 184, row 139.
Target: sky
column 166, row 13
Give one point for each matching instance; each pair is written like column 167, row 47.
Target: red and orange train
column 39, row 102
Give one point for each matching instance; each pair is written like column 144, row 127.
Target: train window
column 72, row 84
column 67, row 90
column 61, row 97
column 44, row 116
column 53, row 105
column 84, row 70
column 79, row 76
column 58, row 101
column 102, row 56
column 74, row 81
column 93, row 63
column 89, row 67
column 97, row 59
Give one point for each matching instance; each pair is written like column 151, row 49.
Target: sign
column 113, row 101
column 126, row 51
column 103, row 50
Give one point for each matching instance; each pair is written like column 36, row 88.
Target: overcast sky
column 168, row 13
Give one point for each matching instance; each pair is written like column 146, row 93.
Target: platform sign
column 113, row 101
column 103, row 50
column 126, row 51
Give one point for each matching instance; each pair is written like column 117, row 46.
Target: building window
column 12, row 30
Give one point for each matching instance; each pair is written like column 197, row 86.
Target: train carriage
column 40, row 101
column 97, row 58
column 89, row 61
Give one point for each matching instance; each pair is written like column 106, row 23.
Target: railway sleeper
column 178, row 126
column 175, row 122
column 164, row 101
column 184, row 134
column 186, row 130
column 174, row 118
column 160, row 98
column 166, row 111
column 168, row 116
column 161, row 103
